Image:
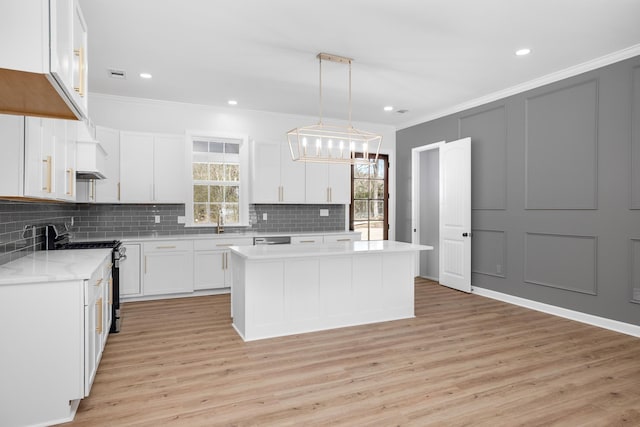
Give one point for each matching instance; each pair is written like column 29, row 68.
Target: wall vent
column 117, row 74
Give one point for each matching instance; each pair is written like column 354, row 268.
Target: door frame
column 415, row 196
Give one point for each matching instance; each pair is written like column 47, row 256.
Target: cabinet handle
column 166, row 247
column 118, row 191
column 81, row 84
column 226, row 260
column 47, row 187
column 99, row 315
column 99, row 282
column 110, row 290
column 222, row 258
column 145, row 264
column 70, row 181
column 343, row 240
column 307, row 241
column 226, row 245
column 330, row 194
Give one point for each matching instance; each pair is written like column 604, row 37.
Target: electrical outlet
column 181, row 220
column 498, row 268
column 157, row 219
column 264, row 216
column 324, row 212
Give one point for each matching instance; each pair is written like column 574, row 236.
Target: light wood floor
column 463, row 360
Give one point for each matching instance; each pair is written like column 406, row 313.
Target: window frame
column 386, row 222
column 243, row 190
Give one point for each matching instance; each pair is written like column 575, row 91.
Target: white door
column 455, row 214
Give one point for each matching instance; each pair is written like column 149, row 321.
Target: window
column 369, row 213
column 217, row 184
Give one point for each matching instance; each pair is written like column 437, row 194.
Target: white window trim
column 244, row 176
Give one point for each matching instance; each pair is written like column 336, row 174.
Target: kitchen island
column 289, row 289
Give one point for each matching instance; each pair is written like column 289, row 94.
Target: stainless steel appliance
column 272, row 240
column 56, row 239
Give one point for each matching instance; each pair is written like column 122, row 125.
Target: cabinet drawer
column 313, row 240
column 341, row 238
column 168, row 246
column 220, row 244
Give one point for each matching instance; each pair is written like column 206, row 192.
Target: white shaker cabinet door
column 265, row 172
column 130, row 277
column 317, row 183
column 292, row 177
column 210, row 269
column 169, row 171
column 136, row 167
column 340, row 184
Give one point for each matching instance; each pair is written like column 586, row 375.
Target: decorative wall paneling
column 561, row 148
column 488, row 130
column 489, row 248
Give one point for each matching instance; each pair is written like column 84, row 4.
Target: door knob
column 465, row 234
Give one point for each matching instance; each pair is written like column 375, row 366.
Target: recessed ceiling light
column 232, row 102
column 388, row 108
column 145, row 75
column 523, row 52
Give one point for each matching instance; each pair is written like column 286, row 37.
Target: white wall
column 144, row 115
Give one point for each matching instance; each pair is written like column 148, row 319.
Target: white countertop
column 326, row 249
column 53, row 266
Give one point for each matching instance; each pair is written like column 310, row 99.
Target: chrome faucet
column 220, row 225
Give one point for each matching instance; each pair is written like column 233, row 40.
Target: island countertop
column 326, row 249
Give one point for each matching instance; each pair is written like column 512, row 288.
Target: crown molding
column 593, row 64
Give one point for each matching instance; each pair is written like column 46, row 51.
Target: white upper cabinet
column 169, row 171
column 152, row 168
column 136, row 167
column 328, row 183
column 340, row 184
column 275, row 177
column 44, row 59
column 38, row 158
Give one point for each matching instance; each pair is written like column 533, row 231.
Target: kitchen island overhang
column 291, row 289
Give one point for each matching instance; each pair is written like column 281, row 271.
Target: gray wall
column 430, row 212
column 555, row 191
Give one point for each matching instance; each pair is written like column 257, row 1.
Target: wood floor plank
column 463, row 360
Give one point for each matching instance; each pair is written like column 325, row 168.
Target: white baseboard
column 602, row 322
column 435, row 279
column 197, row 293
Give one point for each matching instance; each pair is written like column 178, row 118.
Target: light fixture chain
column 350, row 93
column 320, row 85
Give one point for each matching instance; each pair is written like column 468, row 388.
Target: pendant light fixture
column 322, row 143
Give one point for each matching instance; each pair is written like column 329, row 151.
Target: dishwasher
column 272, row 240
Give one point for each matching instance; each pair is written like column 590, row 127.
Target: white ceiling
column 425, row 56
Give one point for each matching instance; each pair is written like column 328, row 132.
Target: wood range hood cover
column 34, row 94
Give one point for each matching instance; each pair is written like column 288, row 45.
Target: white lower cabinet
column 130, row 272
column 52, row 343
column 187, row 266
column 168, row 267
column 211, row 262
